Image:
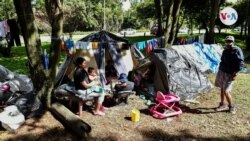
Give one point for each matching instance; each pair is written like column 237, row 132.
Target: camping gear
column 173, row 73
column 108, row 47
column 166, row 107
column 206, row 57
column 135, row 115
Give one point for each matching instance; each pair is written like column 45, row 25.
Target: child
column 124, row 84
column 92, row 74
column 93, row 77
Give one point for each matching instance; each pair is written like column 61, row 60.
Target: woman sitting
column 82, row 85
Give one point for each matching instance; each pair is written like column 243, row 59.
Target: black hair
column 90, row 69
column 79, row 61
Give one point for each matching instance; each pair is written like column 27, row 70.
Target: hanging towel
column 141, row 45
column 4, row 28
column 94, row 45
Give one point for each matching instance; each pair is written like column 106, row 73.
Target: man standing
column 231, row 62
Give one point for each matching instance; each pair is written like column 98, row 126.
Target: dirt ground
column 198, row 122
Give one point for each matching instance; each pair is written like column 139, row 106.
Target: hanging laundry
column 83, row 45
column 149, row 47
column 4, row 28
column 182, row 41
column 94, row 45
column 14, row 33
column 45, row 60
column 69, row 43
column 141, row 45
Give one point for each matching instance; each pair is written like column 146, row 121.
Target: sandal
column 103, row 109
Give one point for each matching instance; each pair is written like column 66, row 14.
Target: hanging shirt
column 69, row 44
column 4, row 28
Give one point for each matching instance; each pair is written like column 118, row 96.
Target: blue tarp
column 209, row 54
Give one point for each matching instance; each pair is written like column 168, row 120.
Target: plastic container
column 46, row 60
column 135, row 115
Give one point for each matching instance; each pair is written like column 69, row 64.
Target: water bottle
column 46, row 60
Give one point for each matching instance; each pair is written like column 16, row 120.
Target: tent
column 97, row 48
column 206, row 57
column 173, row 73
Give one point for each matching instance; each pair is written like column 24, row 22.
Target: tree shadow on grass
column 145, row 111
column 53, row 134
column 59, row 134
column 158, row 134
column 201, row 110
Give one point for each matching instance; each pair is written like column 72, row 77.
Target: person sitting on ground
column 123, row 84
column 110, row 71
column 82, row 85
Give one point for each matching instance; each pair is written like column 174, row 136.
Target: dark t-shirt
column 80, row 75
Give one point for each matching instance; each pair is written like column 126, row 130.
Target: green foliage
column 17, row 61
column 88, row 15
column 195, row 12
column 242, row 9
column 140, row 15
column 239, row 41
column 7, row 10
column 139, row 38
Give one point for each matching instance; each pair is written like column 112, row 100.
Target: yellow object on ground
column 135, row 115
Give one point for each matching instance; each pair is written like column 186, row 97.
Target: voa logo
column 228, row 16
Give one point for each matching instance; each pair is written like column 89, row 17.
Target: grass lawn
column 198, row 121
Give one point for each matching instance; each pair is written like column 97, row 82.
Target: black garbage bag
column 27, row 103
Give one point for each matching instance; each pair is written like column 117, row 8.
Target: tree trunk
column 54, row 10
column 248, row 29
column 159, row 14
column 213, row 13
column 176, row 11
column 32, row 45
column 73, row 123
column 42, row 79
column 169, row 20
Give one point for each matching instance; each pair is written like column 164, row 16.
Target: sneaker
column 103, row 109
column 99, row 113
column 232, row 110
column 222, row 107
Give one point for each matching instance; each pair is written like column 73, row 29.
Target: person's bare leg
column 229, row 98
column 222, row 106
column 222, row 94
column 98, row 106
column 232, row 108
